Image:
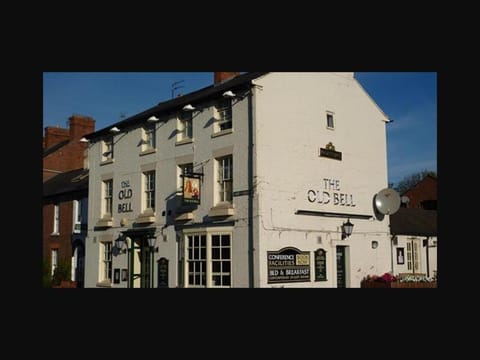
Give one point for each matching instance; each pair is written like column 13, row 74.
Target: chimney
column 54, row 135
column 80, row 126
column 220, row 77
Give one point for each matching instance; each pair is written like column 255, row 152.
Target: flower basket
column 403, row 281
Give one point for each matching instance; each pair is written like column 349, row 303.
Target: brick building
column 423, row 195
column 65, row 194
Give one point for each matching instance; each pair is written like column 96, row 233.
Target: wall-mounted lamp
column 228, row 94
column 188, row 107
column 114, row 129
column 374, row 244
column 83, row 140
column 153, row 119
column 347, row 229
column 151, row 243
column 121, row 244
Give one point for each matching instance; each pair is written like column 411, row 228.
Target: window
column 149, row 190
column 224, row 114
column 330, row 124
column 107, row 261
column 54, row 260
column 225, row 179
column 197, row 260
column 221, row 263
column 208, row 260
column 107, row 197
column 77, row 216
column 150, row 140
column 185, row 129
column 56, row 219
column 107, row 149
column 413, row 256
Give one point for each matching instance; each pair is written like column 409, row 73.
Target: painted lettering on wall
column 125, row 195
column 330, row 194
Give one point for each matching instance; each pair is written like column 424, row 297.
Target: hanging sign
column 191, row 189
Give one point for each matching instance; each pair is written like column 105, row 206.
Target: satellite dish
column 387, row 201
column 405, row 199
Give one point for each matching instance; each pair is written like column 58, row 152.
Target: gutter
column 251, row 249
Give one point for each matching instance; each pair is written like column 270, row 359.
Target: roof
column 71, row 181
column 178, row 103
column 415, row 222
column 55, row 147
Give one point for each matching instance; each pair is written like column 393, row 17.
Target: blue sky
column 408, row 98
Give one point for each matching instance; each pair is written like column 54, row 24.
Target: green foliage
column 62, row 272
column 46, row 273
column 410, row 181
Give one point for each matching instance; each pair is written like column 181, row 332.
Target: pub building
column 259, row 180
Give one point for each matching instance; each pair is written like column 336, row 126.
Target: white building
column 279, row 162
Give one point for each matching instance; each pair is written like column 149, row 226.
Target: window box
column 222, row 209
column 105, row 222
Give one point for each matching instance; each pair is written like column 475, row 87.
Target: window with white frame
column 225, row 179
column 107, row 197
column 185, row 125
column 54, row 259
column 77, row 216
column 107, row 153
column 149, row 185
column 56, row 219
column 223, row 114
column 150, row 139
column 330, row 123
column 413, row 256
column 106, row 271
column 208, row 260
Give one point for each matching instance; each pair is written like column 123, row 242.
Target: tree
column 411, row 180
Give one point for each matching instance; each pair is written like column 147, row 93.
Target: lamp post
column 347, row 229
column 151, row 244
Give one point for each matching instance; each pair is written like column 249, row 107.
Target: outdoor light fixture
column 151, row 243
column 374, row 244
column 347, row 229
column 188, row 107
column 83, row 140
column 120, row 244
column 115, row 129
column 153, row 119
column 228, row 94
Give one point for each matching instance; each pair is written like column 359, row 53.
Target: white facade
column 300, row 199
column 410, row 255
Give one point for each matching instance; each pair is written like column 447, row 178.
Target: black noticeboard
column 116, row 276
column 162, row 269
column 320, row 265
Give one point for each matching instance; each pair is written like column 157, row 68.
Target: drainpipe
column 250, row 191
column 428, row 256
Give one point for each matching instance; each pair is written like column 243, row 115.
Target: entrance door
column 341, row 268
column 141, row 264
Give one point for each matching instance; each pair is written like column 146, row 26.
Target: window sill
column 55, row 234
column 106, row 162
column 104, row 284
column 185, row 216
column 222, row 132
column 330, row 128
column 105, row 222
column 148, row 216
column 148, row 151
column 222, row 209
column 184, row 141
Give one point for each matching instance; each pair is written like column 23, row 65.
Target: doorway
column 141, row 264
column 341, row 267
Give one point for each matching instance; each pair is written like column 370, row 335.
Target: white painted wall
column 291, row 127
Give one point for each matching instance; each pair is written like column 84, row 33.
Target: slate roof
column 71, row 181
column 414, row 222
column 179, row 102
column 55, row 147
